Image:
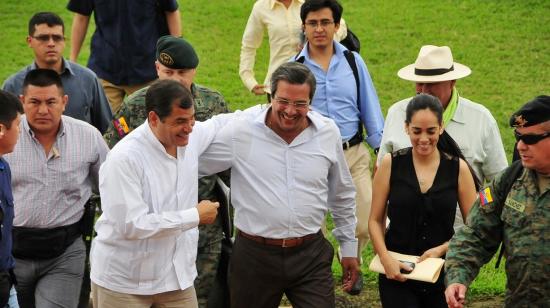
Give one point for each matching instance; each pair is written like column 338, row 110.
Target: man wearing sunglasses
column 87, row 101
column 519, row 218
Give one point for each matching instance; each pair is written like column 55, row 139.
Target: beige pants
column 105, row 298
column 358, row 159
column 115, row 94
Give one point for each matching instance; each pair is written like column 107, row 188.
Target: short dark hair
column 293, row 73
column 10, row 106
column 163, row 94
column 42, row 77
column 49, row 18
column 446, row 143
column 316, row 5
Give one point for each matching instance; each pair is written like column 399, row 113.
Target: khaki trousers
column 358, row 159
column 105, row 298
column 115, row 94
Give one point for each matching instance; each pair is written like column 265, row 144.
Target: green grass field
column 501, row 41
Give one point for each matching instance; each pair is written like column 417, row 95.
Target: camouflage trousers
column 208, row 258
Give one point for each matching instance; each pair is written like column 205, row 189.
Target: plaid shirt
column 50, row 190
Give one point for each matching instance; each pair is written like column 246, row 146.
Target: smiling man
column 346, row 94
column 47, row 40
column 177, row 60
column 288, row 171
column 146, row 245
column 55, row 167
column 514, row 211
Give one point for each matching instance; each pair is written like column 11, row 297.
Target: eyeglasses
column 296, row 104
column 44, row 38
column 530, row 139
column 313, row 24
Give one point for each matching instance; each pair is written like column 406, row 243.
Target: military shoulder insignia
column 121, row 126
column 485, row 197
column 165, row 59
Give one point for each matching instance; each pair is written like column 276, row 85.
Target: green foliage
column 504, row 42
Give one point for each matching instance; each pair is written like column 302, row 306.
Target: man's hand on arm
column 350, row 272
column 455, row 295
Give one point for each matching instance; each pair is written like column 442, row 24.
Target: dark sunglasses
column 529, row 138
column 46, row 38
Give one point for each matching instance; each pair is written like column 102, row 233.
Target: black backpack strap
column 509, row 177
column 351, row 61
column 299, row 59
column 353, row 64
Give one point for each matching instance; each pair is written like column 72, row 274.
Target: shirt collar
column 272, row 3
column 66, row 67
column 154, row 141
column 27, row 128
column 194, row 90
column 459, row 115
column 338, row 51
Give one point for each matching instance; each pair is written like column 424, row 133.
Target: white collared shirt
column 147, row 237
column 282, row 190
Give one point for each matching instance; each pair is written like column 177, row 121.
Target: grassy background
column 502, row 41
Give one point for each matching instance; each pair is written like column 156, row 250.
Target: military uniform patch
column 121, row 126
column 520, row 207
column 485, row 197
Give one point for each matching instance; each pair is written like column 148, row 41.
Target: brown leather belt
column 284, row 242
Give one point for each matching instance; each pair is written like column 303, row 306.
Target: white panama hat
column 434, row 64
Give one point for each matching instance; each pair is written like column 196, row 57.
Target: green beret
column 177, row 53
column 534, row 112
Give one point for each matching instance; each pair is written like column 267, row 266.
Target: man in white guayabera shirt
column 146, row 245
column 288, row 170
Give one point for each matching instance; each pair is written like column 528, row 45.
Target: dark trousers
column 411, row 293
column 260, row 274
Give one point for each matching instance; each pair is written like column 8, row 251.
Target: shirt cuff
column 348, row 249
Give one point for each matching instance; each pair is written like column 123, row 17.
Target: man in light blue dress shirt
column 347, row 97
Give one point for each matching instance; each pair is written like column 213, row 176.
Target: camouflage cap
column 532, row 113
column 177, row 53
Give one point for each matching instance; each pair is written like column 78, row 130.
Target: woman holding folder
column 418, row 188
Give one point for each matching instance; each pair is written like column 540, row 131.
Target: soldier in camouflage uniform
column 177, row 60
column 519, row 217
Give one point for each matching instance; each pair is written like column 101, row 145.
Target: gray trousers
column 52, row 282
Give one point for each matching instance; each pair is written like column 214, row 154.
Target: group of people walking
column 442, row 186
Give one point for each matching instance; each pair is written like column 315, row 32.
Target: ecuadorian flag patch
column 485, row 197
column 121, row 127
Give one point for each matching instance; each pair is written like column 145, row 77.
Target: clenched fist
column 207, row 211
